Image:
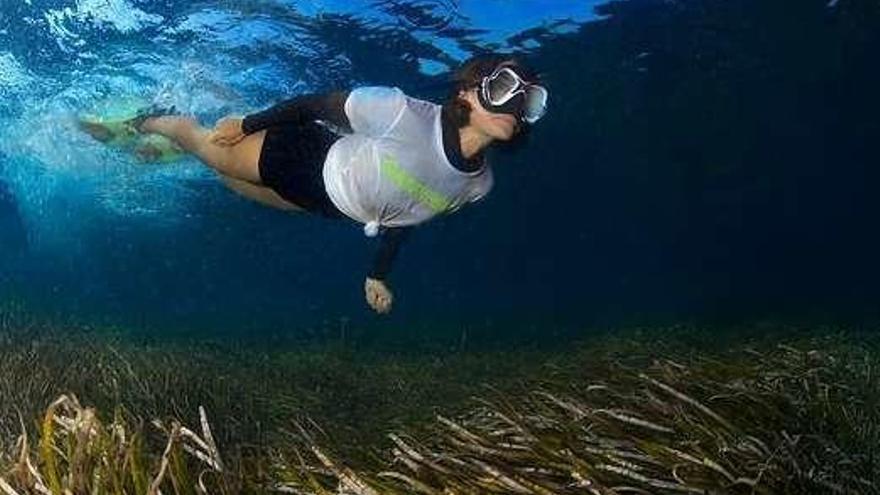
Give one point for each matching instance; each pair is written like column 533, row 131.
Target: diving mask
column 504, row 91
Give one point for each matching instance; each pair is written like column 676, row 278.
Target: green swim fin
column 116, row 125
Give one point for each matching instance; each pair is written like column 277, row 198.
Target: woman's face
column 500, row 126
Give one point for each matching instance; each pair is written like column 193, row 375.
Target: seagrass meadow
column 762, row 408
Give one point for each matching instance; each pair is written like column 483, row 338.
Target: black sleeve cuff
column 247, row 125
column 391, row 241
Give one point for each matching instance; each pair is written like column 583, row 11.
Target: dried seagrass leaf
column 347, row 478
column 409, row 481
column 209, row 438
column 6, row 488
column 629, row 418
column 163, row 466
column 687, row 399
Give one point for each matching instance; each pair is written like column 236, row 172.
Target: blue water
column 701, row 160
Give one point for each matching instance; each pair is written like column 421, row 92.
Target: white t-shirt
column 392, row 170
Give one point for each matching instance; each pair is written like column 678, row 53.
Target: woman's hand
column 227, row 131
column 379, row 296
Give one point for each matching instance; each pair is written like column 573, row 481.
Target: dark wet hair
column 470, row 74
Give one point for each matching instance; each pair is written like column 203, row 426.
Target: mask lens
column 501, row 86
column 536, row 103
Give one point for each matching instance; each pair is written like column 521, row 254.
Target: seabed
column 631, row 411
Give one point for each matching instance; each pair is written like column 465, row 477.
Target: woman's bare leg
column 237, row 165
column 240, row 161
column 260, row 194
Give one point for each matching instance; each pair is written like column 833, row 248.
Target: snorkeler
column 373, row 154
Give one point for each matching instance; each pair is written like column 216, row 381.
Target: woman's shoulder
column 390, row 93
column 377, row 92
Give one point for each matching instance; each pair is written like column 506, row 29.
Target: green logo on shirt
column 433, row 200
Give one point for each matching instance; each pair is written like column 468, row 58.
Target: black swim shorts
column 292, row 161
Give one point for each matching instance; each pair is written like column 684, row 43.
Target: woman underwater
column 372, row 154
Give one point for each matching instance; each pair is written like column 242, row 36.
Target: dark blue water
column 701, row 161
